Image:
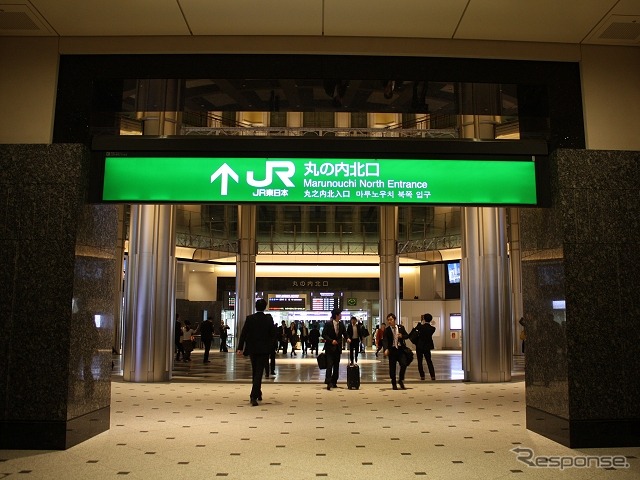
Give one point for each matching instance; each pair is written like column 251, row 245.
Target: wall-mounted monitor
column 455, row 321
column 559, row 304
column 283, row 301
column 326, row 301
column 453, row 272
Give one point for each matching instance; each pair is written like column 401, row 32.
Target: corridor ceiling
column 602, row 22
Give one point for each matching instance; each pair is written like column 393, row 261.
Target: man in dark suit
column 256, row 340
column 283, row 336
column 333, row 333
column 206, row 335
column 425, row 345
column 394, row 341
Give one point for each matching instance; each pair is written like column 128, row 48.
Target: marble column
column 58, row 269
column 580, row 287
column 515, row 268
column 245, row 264
column 389, row 265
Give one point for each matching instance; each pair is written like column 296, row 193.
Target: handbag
column 322, row 361
column 408, row 355
column 414, row 335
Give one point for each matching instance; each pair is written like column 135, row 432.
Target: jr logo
column 283, row 169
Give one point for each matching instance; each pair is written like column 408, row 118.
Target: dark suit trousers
column 395, row 357
column 333, row 366
column 271, row 364
column 207, row 347
column 258, row 363
column 427, row 356
column 354, row 349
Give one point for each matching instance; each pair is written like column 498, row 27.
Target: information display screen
column 325, row 301
column 286, row 302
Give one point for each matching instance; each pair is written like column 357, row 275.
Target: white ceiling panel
column 602, row 22
column 251, row 17
column 113, row 17
column 539, row 21
column 400, row 18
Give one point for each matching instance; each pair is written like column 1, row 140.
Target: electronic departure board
column 286, row 302
column 325, row 301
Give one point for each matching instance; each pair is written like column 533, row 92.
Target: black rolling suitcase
column 353, row 377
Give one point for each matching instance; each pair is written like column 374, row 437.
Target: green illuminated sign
column 318, row 180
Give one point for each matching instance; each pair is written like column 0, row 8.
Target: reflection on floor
column 229, row 367
column 196, row 428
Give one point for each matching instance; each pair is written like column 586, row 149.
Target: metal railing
column 253, row 131
column 318, row 248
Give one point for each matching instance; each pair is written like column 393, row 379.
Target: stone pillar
column 486, row 327
column 58, row 273
column 356, row 221
column 389, row 267
column 246, row 264
column 515, row 263
column 582, row 357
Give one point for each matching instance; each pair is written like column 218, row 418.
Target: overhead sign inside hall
column 318, row 180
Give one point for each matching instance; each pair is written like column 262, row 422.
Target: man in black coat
column 425, row 345
column 206, row 335
column 256, row 340
column 394, row 342
column 333, row 333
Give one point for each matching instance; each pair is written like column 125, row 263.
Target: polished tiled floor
column 228, row 367
column 200, row 426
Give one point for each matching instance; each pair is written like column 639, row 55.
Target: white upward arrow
column 225, row 171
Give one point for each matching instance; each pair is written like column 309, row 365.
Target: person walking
column 380, row 339
column 314, row 338
column 271, row 365
column 283, row 337
column 293, row 338
column 177, row 336
column 394, row 341
column 354, row 337
column 304, row 338
column 187, row 341
column 256, row 341
column 425, row 345
column 206, row 335
column 333, row 333
column 224, row 334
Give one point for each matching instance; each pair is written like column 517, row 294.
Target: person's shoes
column 422, row 377
column 260, row 398
column 328, row 386
column 254, row 402
column 433, row 378
column 266, row 375
column 395, row 387
column 273, row 372
column 401, row 385
column 207, row 361
column 334, row 385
